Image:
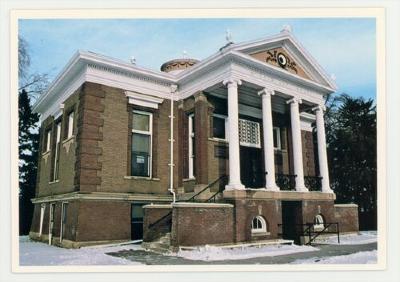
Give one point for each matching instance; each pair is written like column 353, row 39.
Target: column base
column 327, row 191
column 302, row 189
column 272, row 188
column 235, row 186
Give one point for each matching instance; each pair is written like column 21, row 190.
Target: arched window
column 318, row 222
column 258, row 225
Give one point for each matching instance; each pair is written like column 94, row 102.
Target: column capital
column 266, row 92
column 294, row 100
column 231, row 82
column 319, row 108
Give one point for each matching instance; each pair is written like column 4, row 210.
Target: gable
column 278, row 57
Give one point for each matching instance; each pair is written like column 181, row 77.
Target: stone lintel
column 277, row 195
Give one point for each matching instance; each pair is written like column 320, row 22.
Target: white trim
column 48, row 141
column 191, row 139
column 143, row 100
column 278, row 138
column 42, row 211
column 56, row 168
column 62, row 220
column 263, row 223
column 70, row 125
column 150, row 134
column 51, row 221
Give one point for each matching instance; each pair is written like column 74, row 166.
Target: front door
column 291, row 220
column 251, row 168
column 137, row 221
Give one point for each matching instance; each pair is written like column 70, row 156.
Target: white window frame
column 42, row 211
column 263, row 229
column 62, row 220
column 48, row 140
column 70, row 125
column 258, row 145
column 226, row 127
column 278, row 138
column 190, row 142
column 148, row 133
column 319, row 222
column 51, row 221
column 56, row 174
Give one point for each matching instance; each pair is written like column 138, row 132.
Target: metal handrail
column 191, row 199
column 313, row 234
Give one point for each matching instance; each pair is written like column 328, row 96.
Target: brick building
column 221, row 150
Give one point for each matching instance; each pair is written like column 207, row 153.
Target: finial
column 228, row 36
column 133, row 60
column 333, row 76
column 286, row 28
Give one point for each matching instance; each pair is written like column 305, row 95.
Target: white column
column 268, row 134
column 322, row 156
column 233, row 126
column 296, row 142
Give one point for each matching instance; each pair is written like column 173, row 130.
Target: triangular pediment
column 279, row 57
column 286, row 53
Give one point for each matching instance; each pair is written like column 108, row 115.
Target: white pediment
column 284, row 52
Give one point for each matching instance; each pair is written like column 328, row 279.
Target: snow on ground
column 212, row 253
column 363, row 237
column 37, row 253
column 369, row 257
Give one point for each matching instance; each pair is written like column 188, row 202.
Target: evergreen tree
column 28, row 155
column 351, row 141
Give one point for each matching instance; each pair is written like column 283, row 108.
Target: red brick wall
column 104, row 220
column 156, row 222
column 197, row 225
column 347, row 216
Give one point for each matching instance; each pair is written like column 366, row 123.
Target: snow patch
column 360, row 238
column 37, row 253
column 213, row 253
column 368, row 257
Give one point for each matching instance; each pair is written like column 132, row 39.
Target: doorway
column 251, row 167
column 137, row 221
column 292, row 220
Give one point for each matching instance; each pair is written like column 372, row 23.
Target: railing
column 286, row 182
column 313, row 183
column 308, row 230
column 223, row 177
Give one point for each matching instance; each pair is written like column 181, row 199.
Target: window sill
column 55, row 181
column 218, row 140
column 189, row 179
column 44, row 154
column 71, row 138
column 259, row 234
column 141, row 178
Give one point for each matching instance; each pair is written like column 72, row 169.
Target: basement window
column 141, row 143
column 258, row 225
column 318, row 222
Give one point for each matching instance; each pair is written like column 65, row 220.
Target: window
column 42, row 210
column 318, row 222
column 57, row 152
column 47, row 140
column 249, row 133
column 277, row 138
column 64, row 209
column 219, row 127
column 258, row 225
column 70, row 125
column 191, row 145
column 141, row 144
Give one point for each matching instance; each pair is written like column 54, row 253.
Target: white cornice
column 88, row 66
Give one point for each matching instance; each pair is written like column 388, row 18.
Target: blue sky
column 344, row 47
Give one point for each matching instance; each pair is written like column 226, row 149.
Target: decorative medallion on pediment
column 280, row 58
